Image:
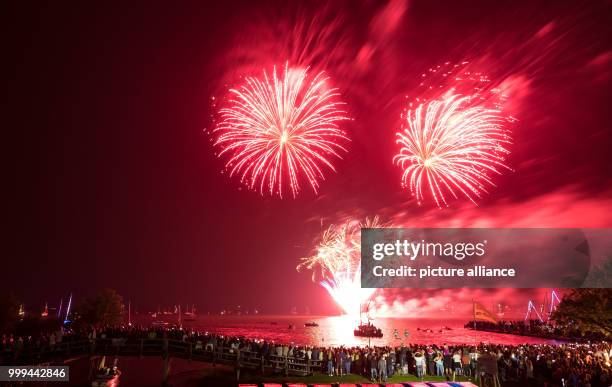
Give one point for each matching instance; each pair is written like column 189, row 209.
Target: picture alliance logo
column 412, row 250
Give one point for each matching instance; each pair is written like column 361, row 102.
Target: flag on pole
column 481, row 313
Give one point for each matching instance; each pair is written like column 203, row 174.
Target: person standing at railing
column 356, row 364
column 315, row 354
column 237, row 364
column 265, row 350
column 373, row 361
column 52, row 342
column 209, row 345
column 465, row 362
column 439, row 360
column 429, row 362
column 528, row 368
column 349, row 362
column 457, row 362
column 419, row 364
column 402, row 359
column 382, row 368
column 390, row 363
column 18, row 346
column 339, row 362
column 330, row 363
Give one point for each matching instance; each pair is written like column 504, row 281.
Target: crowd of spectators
column 535, row 328
column 570, row 364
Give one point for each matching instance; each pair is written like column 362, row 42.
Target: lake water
column 338, row 330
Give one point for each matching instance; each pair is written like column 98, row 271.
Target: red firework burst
column 452, row 146
column 278, row 130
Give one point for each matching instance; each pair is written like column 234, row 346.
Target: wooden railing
column 166, row 348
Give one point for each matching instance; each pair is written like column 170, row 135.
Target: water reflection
column 338, row 330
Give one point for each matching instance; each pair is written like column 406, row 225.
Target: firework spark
column 277, row 130
column 338, row 263
column 452, row 145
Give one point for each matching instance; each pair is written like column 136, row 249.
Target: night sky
column 113, row 180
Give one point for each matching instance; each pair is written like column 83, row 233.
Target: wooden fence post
column 237, row 364
column 166, row 370
column 262, row 364
column 286, row 366
column 166, row 356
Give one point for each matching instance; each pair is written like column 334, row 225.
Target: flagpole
column 474, row 322
column 474, row 310
column 59, row 311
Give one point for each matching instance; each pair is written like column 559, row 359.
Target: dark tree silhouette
column 588, row 310
column 9, row 309
column 106, row 308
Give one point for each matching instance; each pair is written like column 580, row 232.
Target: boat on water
column 367, row 330
column 311, row 324
column 426, row 330
column 106, row 376
column 158, row 313
column 190, row 315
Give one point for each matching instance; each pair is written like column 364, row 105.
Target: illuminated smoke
column 337, row 260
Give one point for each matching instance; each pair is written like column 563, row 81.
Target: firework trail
column 280, row 129
column 338, row 263
column 451, row 146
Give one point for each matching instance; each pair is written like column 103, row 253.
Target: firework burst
column 277, row 131
column 452, row 146
column 336, row 265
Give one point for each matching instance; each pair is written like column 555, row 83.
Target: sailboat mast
column 68, row 309
column 179, row 317
column 474, row 309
